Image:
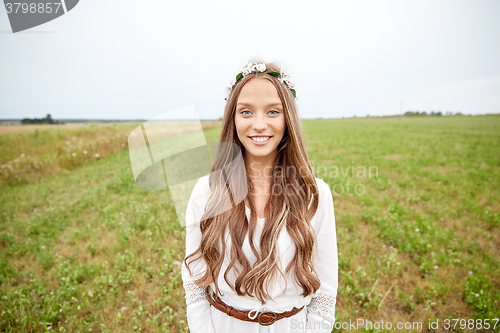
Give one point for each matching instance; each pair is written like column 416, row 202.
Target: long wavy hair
column 292, row 209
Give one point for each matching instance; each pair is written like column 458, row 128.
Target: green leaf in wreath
column 239, row 77
column 293, row 93
column 275, row 74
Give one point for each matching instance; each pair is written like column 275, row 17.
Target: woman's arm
column 321, row 310
column 197, row 306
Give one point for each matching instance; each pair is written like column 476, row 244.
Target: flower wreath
column 261, row 68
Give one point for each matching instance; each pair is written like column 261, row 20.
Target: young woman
column 269, row 263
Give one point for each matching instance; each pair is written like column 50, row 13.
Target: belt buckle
column 270, row 323
column 211, row 293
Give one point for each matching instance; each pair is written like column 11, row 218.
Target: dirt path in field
column 7, row 129
column 22, row 128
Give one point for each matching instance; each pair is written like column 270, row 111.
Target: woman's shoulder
column 202, row 184
column 322, row 186
column 200, row 191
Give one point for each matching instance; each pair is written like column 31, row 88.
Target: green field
column 83, row 249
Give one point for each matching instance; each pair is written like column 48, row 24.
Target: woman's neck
column 260, row 168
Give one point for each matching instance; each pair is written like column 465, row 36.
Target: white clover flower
column 261, row 67
column 248, row 69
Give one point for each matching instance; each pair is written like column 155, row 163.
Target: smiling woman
column 270, row 263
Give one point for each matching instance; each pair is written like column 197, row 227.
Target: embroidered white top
column 317, row 317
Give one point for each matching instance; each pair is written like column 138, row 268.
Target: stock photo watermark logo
column 170, row 152
column 26, row 14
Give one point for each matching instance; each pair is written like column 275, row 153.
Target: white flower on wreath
column 229, row 88
column 284, row 78
column 260, row 67
column 248, row 69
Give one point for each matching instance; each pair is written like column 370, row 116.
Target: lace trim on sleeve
column 324, row 306
column 194, row 293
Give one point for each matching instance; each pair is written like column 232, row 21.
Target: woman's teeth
column 260, row 138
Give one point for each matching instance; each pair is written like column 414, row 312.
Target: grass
column 416, row 201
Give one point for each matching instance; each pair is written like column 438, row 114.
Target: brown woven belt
column 264, row 318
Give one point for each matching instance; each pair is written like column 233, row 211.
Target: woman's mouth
column 260, row 140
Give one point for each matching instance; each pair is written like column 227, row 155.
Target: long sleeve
column 197, row 306
column 321, row 310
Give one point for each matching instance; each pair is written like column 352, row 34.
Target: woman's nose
column 260, row 123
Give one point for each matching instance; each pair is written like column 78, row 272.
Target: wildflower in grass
column 60, row 310
column 43, row 246
column 133, row 202
column 110, row 281
column 63, row 278
column 393, row 259
column 106, row 261
column 96, row 155
column 74, row 154
column 85, row 152
column 388, row 262
column 123, row 308
column 436, row 267
column 438, row 183
column 5, row 297
column 149, row 238
column 149, row 259
column 470, row 272
column 486, row 212
column 73, row 288
column 340, row 253
column 166, row 265
column 417, row 230
column 391, row 247
column 383, row 245
column 31, row 274
column 126, row 250
column 426, row 309
column 121, row 213
column 49, row 328
column 128, row 291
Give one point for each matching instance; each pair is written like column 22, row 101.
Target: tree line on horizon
column 47, row 120
column 424, row 113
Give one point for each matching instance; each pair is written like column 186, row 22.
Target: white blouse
column 317, row 317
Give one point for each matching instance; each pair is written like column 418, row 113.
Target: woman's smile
column 260, row 140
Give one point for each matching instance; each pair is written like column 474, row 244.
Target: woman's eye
column 275, row 112
column 245, row 114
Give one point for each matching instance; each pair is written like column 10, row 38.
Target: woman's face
column 259, row 119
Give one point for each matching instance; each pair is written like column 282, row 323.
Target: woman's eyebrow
column 250, row 104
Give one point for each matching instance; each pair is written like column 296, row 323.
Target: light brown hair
column 293, row 210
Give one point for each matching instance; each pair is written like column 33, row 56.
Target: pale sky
column 122, row 59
